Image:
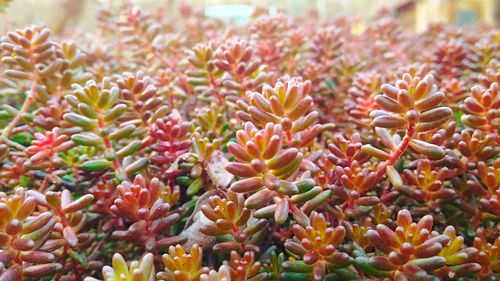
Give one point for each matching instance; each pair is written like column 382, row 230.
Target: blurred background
column 415, row 15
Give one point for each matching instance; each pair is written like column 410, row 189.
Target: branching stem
column 26, row 105
column 48, row 174
column 107, row 143
column 396, row 154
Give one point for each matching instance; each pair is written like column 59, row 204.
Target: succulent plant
column 94, row 112
column 283, row 148
column 315, row 245
column 182, row 265
column 415, row 251
column 142, row 270
column 23, row 233
column 286, row 104
column 481, row 108
column 147, row 206
column 229, row 216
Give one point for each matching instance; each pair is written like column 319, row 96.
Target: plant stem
column 59, row 274
column 171, row 103
column 45, row 182
column 150, row 47
column 107, row 143
column 65, row 223
column 98, row 246
column 26, row 105
column 77, row 274
column 410, row 131
column 218, row 96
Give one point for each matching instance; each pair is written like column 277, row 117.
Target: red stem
column 65, row 223
column 45, row 182
column 171, row 99
column 76, row 271
column 148, row 45
column 220, row 100
column 26, row 104
column 107, row 143
column 292, row 207
column 410, row 131
column 59, row 274
column 24, row 108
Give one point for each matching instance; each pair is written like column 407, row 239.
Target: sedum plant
column 23, row 234
column 94, row 112
column 181, row 264
column 229, row 217
column 146, row 205
column 286, row 104
column 283, row 148
column 415, row 251
column 142, row 270
column 315, row 244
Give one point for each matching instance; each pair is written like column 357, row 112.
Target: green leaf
column 136, row 166
column 24, row 181
column 129, row 149
column 80, row 121
column 183, row 181
column 87, row 139
column 329, row 83
column 362, row 264
column 458, row 118
column 295, row 276
column 297, row 266
column 194, row 187
column 178, row 226
column 78, row 258
column 343, row 274
column 23, row 138
column 96, row 165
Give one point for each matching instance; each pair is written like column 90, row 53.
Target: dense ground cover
column 283, row 149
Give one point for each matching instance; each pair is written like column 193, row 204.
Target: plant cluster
column 183, row 148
